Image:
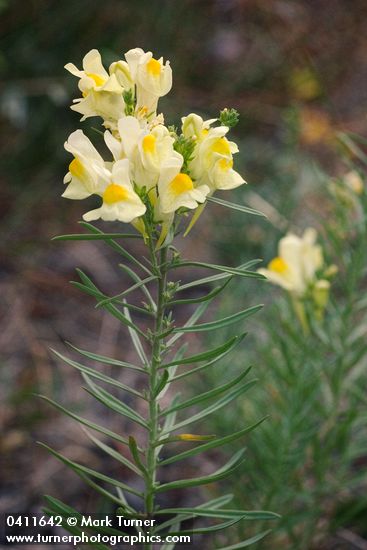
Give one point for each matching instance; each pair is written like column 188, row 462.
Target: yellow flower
column 101, row 91
column 176, row 189
column 120, row 202
column 212, row 162
column 84, row 175
column 122, row 72
column 193, row 126
column 153, row 78
column 297, row 263
column 147, row 149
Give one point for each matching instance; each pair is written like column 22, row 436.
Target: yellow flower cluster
column 152, row 166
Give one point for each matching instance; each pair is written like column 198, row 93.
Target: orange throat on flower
column 221, row 146
column 98, row 80
column 154, row 67
column 148, row 143
column 76, row 169
column 115, row 193
column 181, row 184
column 278, row 265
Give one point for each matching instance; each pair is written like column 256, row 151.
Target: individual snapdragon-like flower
column 177, row 189
column 146, row 148
column 120, row 202
column 297, row 265
column 102, row 92
column 153, row 79
column 120, row 69
column 193, row 126
column 212, row 161
column 83, row 177
column 154, row 149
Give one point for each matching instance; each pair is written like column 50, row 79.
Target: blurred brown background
column 295, row 70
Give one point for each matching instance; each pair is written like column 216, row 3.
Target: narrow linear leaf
column 212, row 362
column 94, row 291
column 217, row 290
column 96, row 294
column 168, row 422
column 223, row 268
column 101, row 490
column 126, row 508
column 112, row 452
column 236, row 392
column 223, row 472
column 215, row 352
column 356, row 137
column 61, row 507
column 211, row 444
column 247, row 542
column 116, row 247
column 137, row 285
column 106, row 360
column 187, row 437
column 137, row 309
column 206, row 530
column 85, row 470
column 136, row 341
column 87, row 281
column 85, row 422
column 200, row 310
column 211, row 504
column 258, row 515
column 95, row 237
column 86, row 289
column 352, row 146
column 115, row 404
column 215, row 503
column 124, row 318
column 135, row 277
column 58, row 507
column 209, row 394
column 220, row 323
column 205, row 280
column 98, row 375
column 171, row 371
column 239, row 207
column 135, row 454
column 162, row 381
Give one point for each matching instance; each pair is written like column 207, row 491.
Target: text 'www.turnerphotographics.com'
column 89, row 529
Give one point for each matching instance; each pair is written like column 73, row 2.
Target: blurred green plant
column 307, row 460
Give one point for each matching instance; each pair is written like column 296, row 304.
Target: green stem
column 299, row 309
column 155, row 362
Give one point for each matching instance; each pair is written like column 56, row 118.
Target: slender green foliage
column 312, row 450
column 158, row 359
